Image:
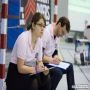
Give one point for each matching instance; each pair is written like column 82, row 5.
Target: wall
column 79, row 14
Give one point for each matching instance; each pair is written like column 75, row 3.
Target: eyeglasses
column 40, row 25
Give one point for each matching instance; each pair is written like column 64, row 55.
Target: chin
column 40, row 36
column 58, row 35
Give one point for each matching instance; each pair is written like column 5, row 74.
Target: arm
column 47, row 59
column 40, row 65
column 42, row 68
column 51, row 60
column 54, row 59
column 23, row 68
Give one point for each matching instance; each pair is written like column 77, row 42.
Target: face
column 61, row 31
column 39, row 27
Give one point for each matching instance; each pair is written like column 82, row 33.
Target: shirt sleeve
column 21, row 48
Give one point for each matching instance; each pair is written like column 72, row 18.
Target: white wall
column 62, row 8
column 78, row 20
column 79, row 13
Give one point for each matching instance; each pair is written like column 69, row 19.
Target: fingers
column 33, row 70
column 45, row 68
column 56, row 61
column 46, row 71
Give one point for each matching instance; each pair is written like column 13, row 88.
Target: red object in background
column 29, row 9
column 56, row 10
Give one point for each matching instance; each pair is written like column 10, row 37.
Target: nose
column 43, row 27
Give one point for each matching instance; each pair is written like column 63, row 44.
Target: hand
column 56, row 59
column 46, row 71
column 40, row 67
column 33, row 70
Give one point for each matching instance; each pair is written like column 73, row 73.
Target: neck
column 34, row 38
column 54, row 31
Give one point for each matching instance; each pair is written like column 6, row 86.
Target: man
column 50, row 36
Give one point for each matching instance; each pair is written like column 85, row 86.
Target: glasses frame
column 41, row 25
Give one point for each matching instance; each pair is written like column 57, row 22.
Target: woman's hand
column 33, row 70
column 46, row 71
column 40, row 66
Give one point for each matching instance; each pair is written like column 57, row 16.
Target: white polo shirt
column 49, row 43
column 23, row 49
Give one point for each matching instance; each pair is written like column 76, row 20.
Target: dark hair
column 36, row 17
column 64, row 21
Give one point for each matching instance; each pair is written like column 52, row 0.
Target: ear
column 33, row 25
column 59, row 24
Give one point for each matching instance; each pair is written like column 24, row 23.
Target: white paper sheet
column 62, row 65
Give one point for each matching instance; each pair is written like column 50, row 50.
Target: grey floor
column 82, row 73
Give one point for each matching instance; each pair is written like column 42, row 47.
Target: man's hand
column 55, row 60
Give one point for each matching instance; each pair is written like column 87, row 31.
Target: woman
column 26, row 70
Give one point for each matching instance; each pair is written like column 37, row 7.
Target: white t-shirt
column 49, row 43
column 23, row 49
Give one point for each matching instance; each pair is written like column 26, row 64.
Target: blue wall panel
column 13, row 21
column 12, row 36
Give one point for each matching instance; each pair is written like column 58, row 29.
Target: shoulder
column 23, row 36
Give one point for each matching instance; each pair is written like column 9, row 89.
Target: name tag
column 36, row 55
